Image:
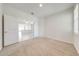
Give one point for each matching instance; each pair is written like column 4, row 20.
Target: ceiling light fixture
column 41, row 5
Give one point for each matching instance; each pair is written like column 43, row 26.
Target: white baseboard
column 60, row 40
column 76, row 49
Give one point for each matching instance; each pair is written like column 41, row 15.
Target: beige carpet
column 40, row 47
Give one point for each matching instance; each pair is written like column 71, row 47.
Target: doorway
column 26, row 31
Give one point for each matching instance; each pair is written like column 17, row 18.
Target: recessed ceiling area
column 46, row 9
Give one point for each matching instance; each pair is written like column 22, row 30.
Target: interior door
column 10, row 30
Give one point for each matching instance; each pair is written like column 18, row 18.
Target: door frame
column 2, row 30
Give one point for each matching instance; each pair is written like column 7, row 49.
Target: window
column 76, row 19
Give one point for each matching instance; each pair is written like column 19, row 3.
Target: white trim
column 76, row 49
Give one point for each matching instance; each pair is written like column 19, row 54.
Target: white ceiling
column 46, row 10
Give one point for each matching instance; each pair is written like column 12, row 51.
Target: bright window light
column 76, row 19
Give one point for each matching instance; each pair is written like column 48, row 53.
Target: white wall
column 0, row 26
column 59, row 26
column 41, row 25
column 19, row 17
column 36, row 28
column 76, row 27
